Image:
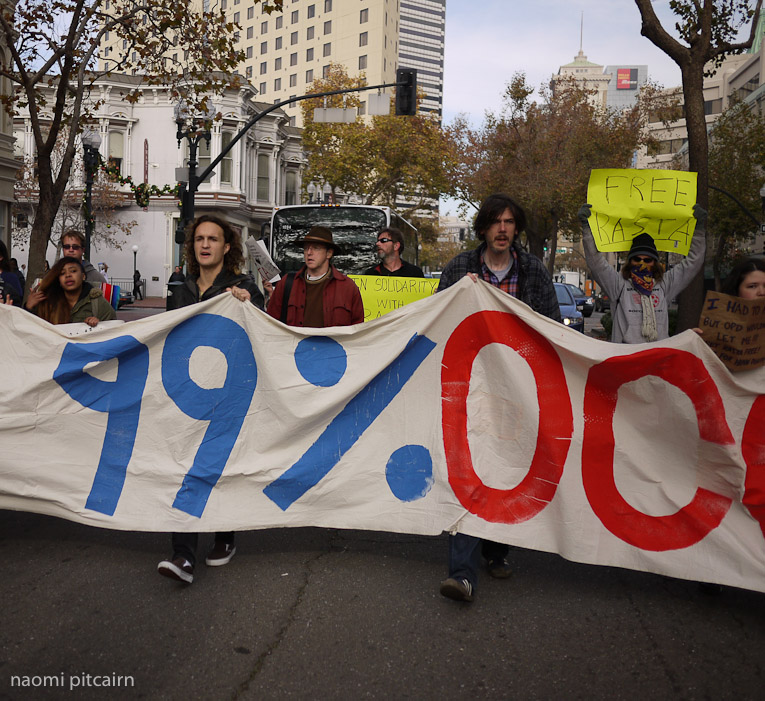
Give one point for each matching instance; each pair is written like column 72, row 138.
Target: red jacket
column 342, row 300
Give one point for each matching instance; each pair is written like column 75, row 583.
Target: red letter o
column 556, row 422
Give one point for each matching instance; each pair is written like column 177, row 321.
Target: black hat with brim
column 319, row 234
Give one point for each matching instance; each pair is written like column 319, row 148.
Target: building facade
column 8, row 163
column 263, row 170
column 286, row 51
column 614, row 87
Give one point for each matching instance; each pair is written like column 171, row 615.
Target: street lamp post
column 193, row 129
column 90, row 143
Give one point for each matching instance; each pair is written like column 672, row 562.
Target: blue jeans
column 465, row 556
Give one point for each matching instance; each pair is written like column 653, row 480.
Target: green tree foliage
column 708, row 31
column 53, row 63
column 736, row 164
column 381, row 160
column 542, row 153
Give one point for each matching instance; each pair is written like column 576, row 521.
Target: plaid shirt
column 534, row 285
column 509, row 283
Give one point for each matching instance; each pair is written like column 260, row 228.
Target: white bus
column 354, row 228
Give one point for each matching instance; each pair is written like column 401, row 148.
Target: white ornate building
column 263, row 170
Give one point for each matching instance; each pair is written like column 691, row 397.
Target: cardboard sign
column 384, row 293
column 734, row 328
column 626, row 203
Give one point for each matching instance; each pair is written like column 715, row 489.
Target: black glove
column 584, row 214
column 700, row 213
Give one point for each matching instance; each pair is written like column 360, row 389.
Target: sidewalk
column 149, row 303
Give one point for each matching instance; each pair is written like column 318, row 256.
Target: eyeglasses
column 71, row 246
column 643, row 259
column 384, row 240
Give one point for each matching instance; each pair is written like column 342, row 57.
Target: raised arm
column 600, row 268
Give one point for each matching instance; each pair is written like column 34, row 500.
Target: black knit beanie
column 643, row 245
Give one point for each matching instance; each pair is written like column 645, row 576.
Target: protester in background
column 214, row 253
column 317, row 295
column 501, row 262
column 73, row 244
column 11, row 289
column 65, row 297
column 640, row 294
column 137, row 284
column 389, row 247
column 746, row 279
column 19, row 274
column 177, row 275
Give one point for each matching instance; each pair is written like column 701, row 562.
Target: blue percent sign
column 322, row 362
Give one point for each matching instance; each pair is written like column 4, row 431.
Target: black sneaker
column 179, row 569
column 220, row 554
column 499, row 568
column 457, row 589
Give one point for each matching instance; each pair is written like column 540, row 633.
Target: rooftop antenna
column 581, row 32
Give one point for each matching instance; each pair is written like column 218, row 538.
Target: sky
column 487, row 41
column 484, row 48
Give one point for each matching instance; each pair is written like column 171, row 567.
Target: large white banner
column 463, row 412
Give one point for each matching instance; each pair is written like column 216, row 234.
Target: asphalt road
column 326, row 614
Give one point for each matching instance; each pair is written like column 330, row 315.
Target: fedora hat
column 319, row 234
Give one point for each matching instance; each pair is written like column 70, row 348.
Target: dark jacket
column 10, row 286
column 535, row 286
column 92, row 303
column 406, row 270
column 342, row 300
column 188, row 292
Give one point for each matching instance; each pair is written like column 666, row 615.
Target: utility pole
column 406, row 101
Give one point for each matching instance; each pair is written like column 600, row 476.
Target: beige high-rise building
column 286, row 51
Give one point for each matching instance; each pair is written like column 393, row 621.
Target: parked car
column 126, row 297
column 570, row 315
column 584, row 302
column 602, row 302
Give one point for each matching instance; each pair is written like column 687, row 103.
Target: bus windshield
column 354, row 229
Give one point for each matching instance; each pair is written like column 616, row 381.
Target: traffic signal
column 406, row 92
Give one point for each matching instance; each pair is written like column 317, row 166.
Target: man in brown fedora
column 317, row 295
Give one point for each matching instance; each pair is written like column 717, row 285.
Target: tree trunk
column 716, row 263
column 552, row 248
column 691, row 299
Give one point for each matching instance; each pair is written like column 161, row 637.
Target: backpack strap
column 286, row 296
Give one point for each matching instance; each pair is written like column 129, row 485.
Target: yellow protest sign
column 384, row 293
column 627, row 202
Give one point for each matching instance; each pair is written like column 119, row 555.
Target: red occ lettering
column 556, row 425
column 753, row 450
column 706, row 510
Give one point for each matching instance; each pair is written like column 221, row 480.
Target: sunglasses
column 643, row 259
column 71, row 246
column 384, row 240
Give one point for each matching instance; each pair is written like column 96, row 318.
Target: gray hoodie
column 626, row 309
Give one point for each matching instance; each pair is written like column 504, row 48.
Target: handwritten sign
column 384, row 293
column 734, row 328
column 626, row 203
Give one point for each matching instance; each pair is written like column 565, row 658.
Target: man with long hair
column 500, row 261
column 214, row 257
